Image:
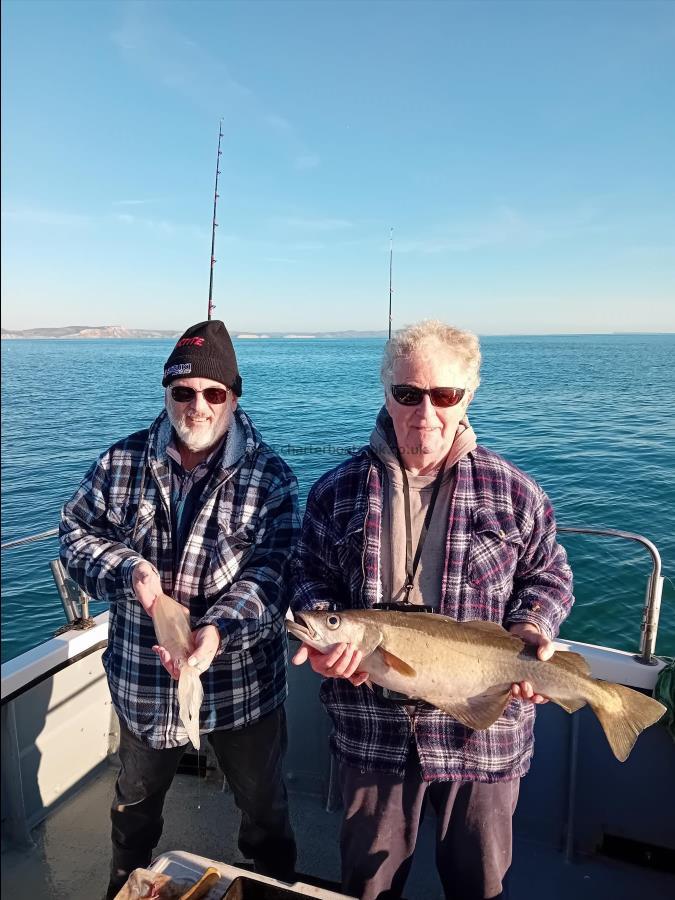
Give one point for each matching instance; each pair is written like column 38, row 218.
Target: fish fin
column 477, row 712
column 397, row 664
column 572, row 662
column 483, row 625
column 576, row 664
column 624, row 714
column 496, row 632
column 570, row 706
column 190, row 697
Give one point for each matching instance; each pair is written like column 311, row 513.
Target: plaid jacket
column 502, row 563
column 231, row 574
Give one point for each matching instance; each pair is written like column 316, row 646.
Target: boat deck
column 71, row 853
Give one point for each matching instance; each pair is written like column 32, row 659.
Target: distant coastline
column 88, row 332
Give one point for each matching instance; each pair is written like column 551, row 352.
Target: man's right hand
column 146, row 584
column 341, row 661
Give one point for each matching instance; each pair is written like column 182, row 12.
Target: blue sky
column 522, row 151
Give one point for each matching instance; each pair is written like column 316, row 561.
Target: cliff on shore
column 88, row 331
column 70, row 332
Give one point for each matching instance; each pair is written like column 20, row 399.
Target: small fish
column 174, row 634
column 467, row 668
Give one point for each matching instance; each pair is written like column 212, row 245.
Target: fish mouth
column 300, row 628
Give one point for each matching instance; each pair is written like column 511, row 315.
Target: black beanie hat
column 204, row 351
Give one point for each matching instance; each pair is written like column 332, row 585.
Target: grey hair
column 461, row 345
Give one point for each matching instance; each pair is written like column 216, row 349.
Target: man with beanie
column 200, row 508
column 426, row 516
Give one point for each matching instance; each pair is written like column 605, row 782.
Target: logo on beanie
column 190, row 342
column 179, row 369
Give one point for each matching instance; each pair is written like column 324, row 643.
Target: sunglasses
column 214, row 395
column 408, row 395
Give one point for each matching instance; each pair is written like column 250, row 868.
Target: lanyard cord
column 412, row 563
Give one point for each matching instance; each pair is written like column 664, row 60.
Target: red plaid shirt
column 502, row 564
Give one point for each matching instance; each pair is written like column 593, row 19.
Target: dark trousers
column 250, row 758
column 382, row 817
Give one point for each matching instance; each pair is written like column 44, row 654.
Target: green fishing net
column 664, row 692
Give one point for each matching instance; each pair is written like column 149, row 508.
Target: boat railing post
column 61, row 586
column 650, row 618
column 84, row 605
column 74, row 600
column 652, row 606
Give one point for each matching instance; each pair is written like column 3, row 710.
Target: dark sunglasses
column 408, row 395
column 214, row 395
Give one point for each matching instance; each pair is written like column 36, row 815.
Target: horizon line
column 298, row 334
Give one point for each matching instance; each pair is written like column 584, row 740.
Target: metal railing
column 31, row 539
column 652, row 607
column 74, row 600
column 73, row 597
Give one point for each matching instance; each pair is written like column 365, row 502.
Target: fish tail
column 190, row 696
column 624, row 714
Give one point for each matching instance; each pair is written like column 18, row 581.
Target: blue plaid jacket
column 502, row 563
column 231, row 574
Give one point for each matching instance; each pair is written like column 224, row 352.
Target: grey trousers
column 382, row 818
column 250, row 758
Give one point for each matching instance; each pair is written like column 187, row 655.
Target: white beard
column 200, row 438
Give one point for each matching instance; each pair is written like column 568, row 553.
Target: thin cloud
column 307, row 161
column 307, row 246
column 653, row 251
column 150, row 43
column 309, row 224
column 503, row 226
column 167, row 56
column 161, row 226
column 132, row 202
column 278, row 123
column 52, row 217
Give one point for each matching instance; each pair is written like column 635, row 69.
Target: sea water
column 590, row 417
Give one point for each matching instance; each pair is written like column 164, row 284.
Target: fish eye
column 333, row 621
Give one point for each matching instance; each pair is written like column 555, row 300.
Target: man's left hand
column 207, row 644
column 545, row 650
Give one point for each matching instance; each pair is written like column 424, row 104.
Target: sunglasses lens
column 182, row 394
column 446, row 396
column 215, row 395
column 406, row 394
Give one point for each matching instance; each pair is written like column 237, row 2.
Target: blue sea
column 590, row 417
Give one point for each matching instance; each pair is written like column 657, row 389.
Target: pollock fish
column 467, row 668
column 173, row 632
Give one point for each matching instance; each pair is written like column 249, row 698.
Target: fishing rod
column 214, row 225
column 391, row 261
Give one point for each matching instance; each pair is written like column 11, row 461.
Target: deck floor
column 71, row 853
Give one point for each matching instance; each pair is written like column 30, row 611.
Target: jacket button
column 502, row 533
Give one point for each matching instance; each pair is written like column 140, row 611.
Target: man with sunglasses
column 200, row 508
column 425, row 515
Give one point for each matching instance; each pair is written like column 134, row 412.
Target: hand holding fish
column 181, row 651
column 146, row 585
column 342, row 661
column 206, row 641
column 545, row 650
